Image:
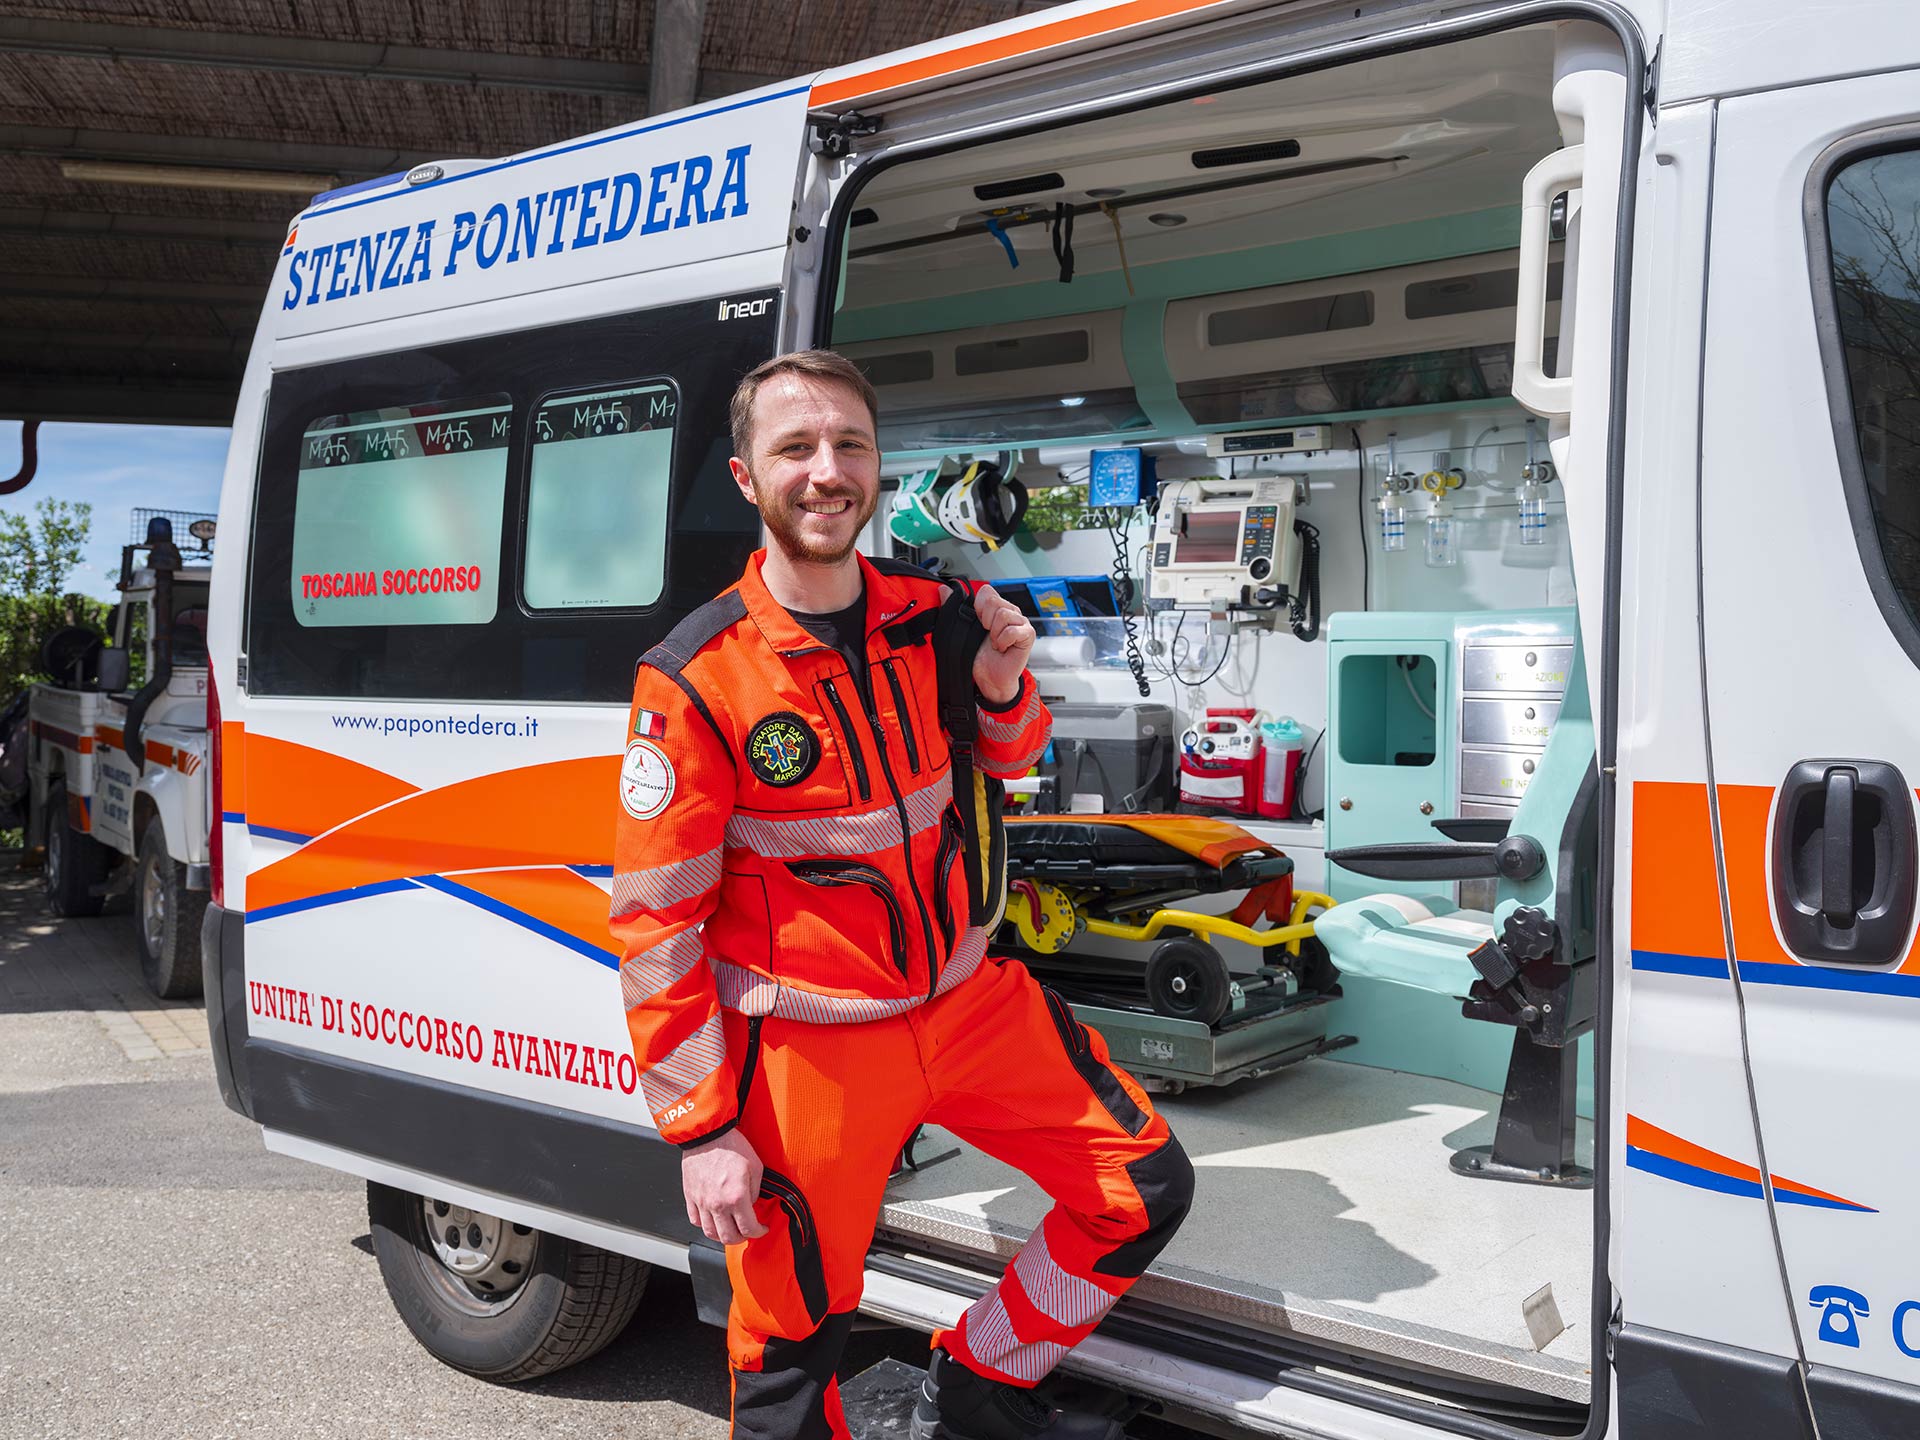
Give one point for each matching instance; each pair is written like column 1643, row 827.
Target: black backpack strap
column 957, row 636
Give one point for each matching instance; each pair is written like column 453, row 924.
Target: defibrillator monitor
column 1214, row 541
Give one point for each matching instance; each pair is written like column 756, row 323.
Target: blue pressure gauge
column 1118, row 476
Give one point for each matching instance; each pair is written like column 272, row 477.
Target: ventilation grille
column 904, row 367
column 1245, row 154
column 1024, row 352
column 1284, row 319
column 1025, row 185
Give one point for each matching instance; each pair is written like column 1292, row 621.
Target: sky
column 117, row 468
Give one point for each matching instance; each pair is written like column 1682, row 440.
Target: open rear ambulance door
column 1810, row 577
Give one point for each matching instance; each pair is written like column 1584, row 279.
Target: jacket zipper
column 943, row 870
column 906, row 721
column 853, row 872
column 853, row 741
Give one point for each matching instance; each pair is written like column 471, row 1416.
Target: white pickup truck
column 119, row 792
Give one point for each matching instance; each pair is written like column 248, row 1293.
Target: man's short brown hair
column 816, row 365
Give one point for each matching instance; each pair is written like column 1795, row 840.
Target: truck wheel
column 498, row 1300
column 166, row 918
column 75, row 864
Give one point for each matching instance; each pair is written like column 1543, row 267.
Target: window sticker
column 397, row 516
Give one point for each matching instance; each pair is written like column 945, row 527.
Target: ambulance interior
column 1317, row 275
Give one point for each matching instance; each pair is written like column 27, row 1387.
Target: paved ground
column 162, row 1275
column 165, row 1276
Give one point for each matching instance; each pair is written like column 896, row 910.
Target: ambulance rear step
column 1251, row 1326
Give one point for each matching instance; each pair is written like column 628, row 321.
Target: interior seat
column 1527, row 964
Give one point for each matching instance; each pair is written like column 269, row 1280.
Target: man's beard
column 783, row 522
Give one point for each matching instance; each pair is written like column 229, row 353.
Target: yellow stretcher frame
column 1297, row 928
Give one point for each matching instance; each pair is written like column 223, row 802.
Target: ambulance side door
column 1810, row 579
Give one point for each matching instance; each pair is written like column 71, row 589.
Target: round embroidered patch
column 781, row 749
column 646, row 780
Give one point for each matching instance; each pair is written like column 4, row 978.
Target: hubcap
column 490, row 1256
column 153, row 908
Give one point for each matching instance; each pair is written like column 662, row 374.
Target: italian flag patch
column 650, row 723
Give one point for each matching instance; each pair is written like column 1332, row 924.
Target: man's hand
column 1003, row 654
column 721, row 1180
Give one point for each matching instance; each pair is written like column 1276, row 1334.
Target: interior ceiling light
column 1106, row 192
column 1166, row 218
column 1073, row 402
column 193, row 177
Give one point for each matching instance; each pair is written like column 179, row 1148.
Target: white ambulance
column 1586, row 332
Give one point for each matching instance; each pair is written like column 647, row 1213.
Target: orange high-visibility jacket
column 781, row 849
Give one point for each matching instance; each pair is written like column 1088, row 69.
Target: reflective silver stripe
column 968, row 951
column 1021, row 762
column 866, row 832
column 753, row 994
column 646, row 974
column 664, row 885
column 925, row 805
column 989, row 1335
column 691, row 1061
column 1061, row 1296
column 1005, row 728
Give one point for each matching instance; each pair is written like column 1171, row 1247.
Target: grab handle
column 1550, row 397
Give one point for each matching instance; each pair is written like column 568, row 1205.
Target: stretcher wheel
column 1188, row 980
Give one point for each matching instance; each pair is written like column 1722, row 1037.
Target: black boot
column 958, row 1404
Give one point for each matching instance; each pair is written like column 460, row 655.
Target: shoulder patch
column 782, row 749
column 687, row 638
column 646, row 780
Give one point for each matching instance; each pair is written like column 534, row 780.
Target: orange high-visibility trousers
column 1000, row 1062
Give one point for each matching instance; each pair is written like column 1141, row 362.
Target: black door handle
column 1836, row 849
column 1844, row 859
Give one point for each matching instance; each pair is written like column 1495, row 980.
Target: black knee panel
column 785, row 1398
column 1165, row 1182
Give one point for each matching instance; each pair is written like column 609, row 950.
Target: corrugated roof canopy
column 131, row 294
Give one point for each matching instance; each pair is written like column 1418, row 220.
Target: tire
column 1188, row 980
column 75, row 865
column 166, row 918
column 563, row 1302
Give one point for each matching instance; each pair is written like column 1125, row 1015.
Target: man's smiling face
column 814, row 466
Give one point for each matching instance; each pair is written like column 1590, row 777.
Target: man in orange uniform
column 800, row 979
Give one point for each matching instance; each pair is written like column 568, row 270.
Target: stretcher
column 1176, row 1012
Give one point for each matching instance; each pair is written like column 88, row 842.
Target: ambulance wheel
column 75, row 863
column 166, row 918
column 1187, row 980
column 500, row 1301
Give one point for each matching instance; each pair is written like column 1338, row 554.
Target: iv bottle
column 1442, row 534
column 1533, row 513
column 1393, row 522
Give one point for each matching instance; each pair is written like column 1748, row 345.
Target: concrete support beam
column 348, row 162
column 136, row 404
column 107, row 224
column 106, row 40
column 675, row 81
column 30, row 286
column 358, row 59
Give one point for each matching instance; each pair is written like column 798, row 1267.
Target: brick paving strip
column 47, row 963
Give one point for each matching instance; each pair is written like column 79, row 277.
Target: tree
column 37, row 555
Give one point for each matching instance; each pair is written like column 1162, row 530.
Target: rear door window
column 512, row 517
column 397, row 514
